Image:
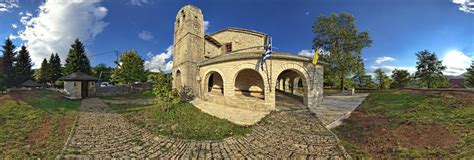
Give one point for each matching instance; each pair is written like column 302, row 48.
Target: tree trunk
column 342, row 84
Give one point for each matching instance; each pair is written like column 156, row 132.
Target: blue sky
column 398, row 28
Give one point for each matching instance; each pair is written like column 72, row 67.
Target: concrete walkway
column 336, row 108
column 234, row 115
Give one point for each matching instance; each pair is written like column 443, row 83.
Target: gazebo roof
column 78, row 76
column 30, row 83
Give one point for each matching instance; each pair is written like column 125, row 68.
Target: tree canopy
column 338, row 34
column 429, row 69
column 77, row 60
column 103, row 72
column 23, row 66
column 131, row 68
column 400, row 78
column 7, row 63
column 469, row 75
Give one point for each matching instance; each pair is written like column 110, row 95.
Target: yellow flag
column 316, row 55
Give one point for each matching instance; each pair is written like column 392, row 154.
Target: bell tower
column 188, row 47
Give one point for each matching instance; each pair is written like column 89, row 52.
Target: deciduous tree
column 382, row 79
column 102, row 71
column 429, row 68
column 77, row 60
column 338, row 34
column 400, row 78
column 131, row 68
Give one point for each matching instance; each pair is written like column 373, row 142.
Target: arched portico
column 246, row 85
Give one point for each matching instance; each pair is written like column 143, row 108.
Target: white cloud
column 307, row 13
column 157, row 63
column 7, row 5
column 388, row 69
column 380, row 60
column 145, row 35
column 306, row 53
column 206, row 26
column 138, row 2
column 465, row 5
column 58, row 24
column 456, row 62
column 14, row 25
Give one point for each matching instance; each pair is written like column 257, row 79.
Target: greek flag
column 268, row 51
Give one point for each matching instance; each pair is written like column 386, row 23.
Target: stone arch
column 214, row 82
column 297, row 83
column 249, row 83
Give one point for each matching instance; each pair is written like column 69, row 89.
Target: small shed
column 79, row 85
column 31, row 84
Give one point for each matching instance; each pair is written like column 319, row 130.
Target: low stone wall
column 119, row 90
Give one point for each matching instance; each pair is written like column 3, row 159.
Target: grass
column 411, row 109
column 34, row 124
column 181, row 120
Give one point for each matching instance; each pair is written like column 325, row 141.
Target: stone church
column 224, row 67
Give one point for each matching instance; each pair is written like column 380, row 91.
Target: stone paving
column 335, row 108
column 295, row 134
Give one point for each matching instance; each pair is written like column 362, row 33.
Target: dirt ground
column 372, row 132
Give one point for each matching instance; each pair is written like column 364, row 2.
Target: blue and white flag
column 268, row 51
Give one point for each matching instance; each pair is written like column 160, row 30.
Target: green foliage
column 161, row 87
column 54, row 68
column 23, row 66
column 382, row 79
column 77, row 60
column 470, row 76
column 180, row 120
column 131, row 68
column 401, row 78
column 103, row 72
column 429, row 69
column 339, row 35
column 43, row 72
column 7, row 63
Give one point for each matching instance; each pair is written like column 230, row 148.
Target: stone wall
column 240, row 40
column 119, row 90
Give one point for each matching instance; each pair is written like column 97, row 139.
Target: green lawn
column 181, row 120
column 407, row 124
column 34, row 124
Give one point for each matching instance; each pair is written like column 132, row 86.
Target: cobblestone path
column 291, row 134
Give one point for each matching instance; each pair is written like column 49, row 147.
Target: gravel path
column 286, row 134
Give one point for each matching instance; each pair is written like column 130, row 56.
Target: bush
column 59, row 84
column 186, row 94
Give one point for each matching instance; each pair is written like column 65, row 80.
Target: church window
column 228, row 47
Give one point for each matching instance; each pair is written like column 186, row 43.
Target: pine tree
column 44, row 72
column 469, row 75
column 54, row 68
column 429, row 68
column 401, row 78
column 23, row 66
column 7, row 63
column 77, row 60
